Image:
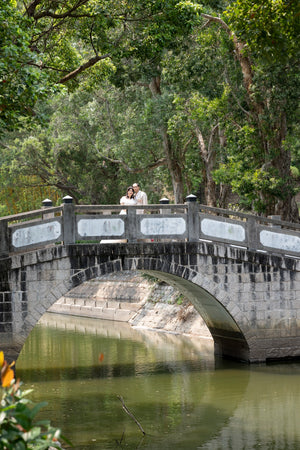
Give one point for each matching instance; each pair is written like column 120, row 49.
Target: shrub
column 18, row 431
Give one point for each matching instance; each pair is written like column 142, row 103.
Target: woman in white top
column 128, row 199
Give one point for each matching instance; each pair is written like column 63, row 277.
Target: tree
column 21, row 80
column 70, row 38
column 92, row 148
column 201, row 99
column 263, row 35
column 47, row 44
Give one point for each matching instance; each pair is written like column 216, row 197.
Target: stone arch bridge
column 242, row 273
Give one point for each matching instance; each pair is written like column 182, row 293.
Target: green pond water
column 182, row 396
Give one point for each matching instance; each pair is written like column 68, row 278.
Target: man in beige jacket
column 140, row 196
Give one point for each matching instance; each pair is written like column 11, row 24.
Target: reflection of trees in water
column 268, row 416
column 215, row 396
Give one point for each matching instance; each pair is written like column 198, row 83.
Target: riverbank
column 141, row 301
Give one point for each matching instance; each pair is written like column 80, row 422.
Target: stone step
column 118, row 311
column 100, row 303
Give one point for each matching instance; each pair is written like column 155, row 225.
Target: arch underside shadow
column 228, row 339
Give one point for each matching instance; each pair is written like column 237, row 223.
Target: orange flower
column 7, row 374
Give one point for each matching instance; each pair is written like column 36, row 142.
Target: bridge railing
column 191, row 221
column 265, row 234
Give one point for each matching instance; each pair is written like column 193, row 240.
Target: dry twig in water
column 130, row 414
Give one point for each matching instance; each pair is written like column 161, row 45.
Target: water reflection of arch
column 198, row 352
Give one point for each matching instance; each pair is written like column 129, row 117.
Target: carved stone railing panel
column 71, row 223
column 31, row 235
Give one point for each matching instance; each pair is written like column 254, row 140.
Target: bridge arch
column 220, row 314
column 248, row 300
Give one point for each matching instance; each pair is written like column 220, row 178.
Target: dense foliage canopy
column 184, row 97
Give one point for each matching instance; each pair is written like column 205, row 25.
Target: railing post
column 68, row 220
column 252, row 238
column 4, row 239
column 131, row 224
column 277, row 217
column 164, row 201
column 193, row 218
column 47, row 204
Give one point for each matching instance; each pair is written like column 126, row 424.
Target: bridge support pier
column 231, row 348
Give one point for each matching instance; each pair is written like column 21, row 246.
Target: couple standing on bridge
column 134, row 196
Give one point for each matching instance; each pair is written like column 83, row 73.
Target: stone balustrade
column 191, row 221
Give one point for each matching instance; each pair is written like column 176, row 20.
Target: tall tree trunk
column 174, row 168
column 208, row 157
column 173, row 164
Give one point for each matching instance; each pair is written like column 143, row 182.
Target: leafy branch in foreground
column 18, row 430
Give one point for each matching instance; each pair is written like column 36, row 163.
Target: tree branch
column 217, row 20
column 234, row 96
column 31, row 10
column 91, row 62
column 91, row 39
column 201, row 143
